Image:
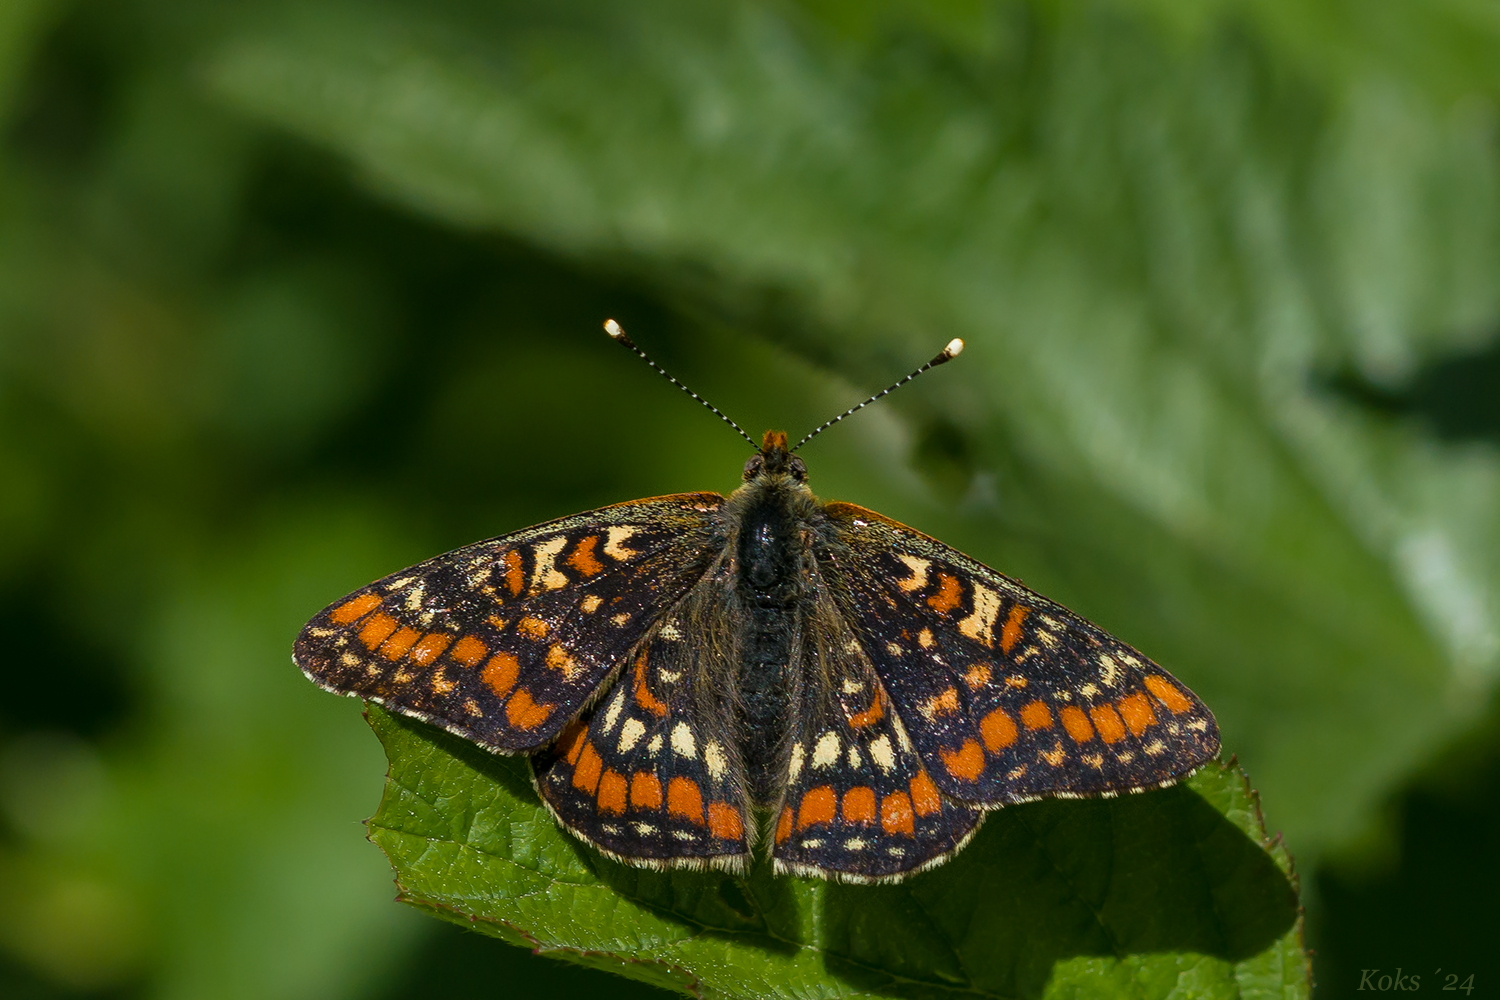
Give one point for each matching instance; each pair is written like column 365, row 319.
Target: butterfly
column 698, row 678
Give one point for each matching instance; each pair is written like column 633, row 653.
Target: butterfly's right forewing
column 1007, row 696
column 503, row 642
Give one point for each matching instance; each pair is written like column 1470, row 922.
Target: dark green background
column 294, row 296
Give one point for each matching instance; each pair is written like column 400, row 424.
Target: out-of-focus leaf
column 241, row 786
column 1153, row 248
column 22, row 24
column 263, row 785
column 1141, row 896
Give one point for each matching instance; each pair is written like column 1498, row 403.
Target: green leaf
column 1177, row 889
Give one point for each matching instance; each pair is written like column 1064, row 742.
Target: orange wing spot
column 896, row 815
column 784, row 825
column 724, row 821
column 645, row 790
column 500, row 673
column 1136, row 710
column 1016, row 682
column 859, row 805
column 612, row 787
column 945, row 703
column 532, row 628
column 643, row 695
column 430, row 647
column 949, row 596
column 377, row 629
column 586, row 771
column 977, row 676
column 468, row 651
column 558, row 659
column 1036, row 716
column 1010, row 633
column 997, row 730
column 966, row 763
column 583, row 558
column 924, row 795
column 396, row 646
column 515, row 577
column 524, row 713
column 819, row 805
column 869, row 716
column 1167, row 693
column 572, row 742
column 353, row 610
column 1077, row 724
column 685, row 800
column 1111, row 729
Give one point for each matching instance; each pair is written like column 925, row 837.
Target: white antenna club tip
column 954, row 349
column 613, row 329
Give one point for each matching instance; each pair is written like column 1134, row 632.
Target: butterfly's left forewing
column 503, row 642
column 1006, row 695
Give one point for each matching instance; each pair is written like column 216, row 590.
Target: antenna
column 618, row 336
column 954, row 348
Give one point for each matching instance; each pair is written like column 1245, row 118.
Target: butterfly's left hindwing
column 1006, row 695
column 504, row 641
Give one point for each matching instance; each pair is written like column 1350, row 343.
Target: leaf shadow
column 513, row 774
column 748, row 910
column 1161, row 872
column 709, row 903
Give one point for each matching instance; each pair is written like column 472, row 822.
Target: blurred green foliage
column 294, row 295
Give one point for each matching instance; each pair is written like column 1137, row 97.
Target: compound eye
column 752, row 467
column 798, row 469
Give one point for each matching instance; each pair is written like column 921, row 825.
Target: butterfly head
column 775, row 459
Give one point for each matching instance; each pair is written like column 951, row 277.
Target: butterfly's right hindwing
column 858, row 802
column 652, row 774
column 504, row 641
